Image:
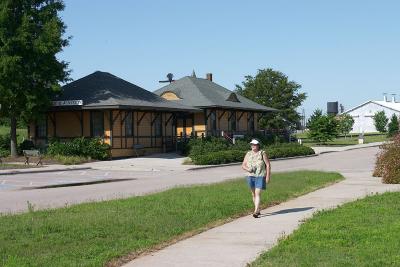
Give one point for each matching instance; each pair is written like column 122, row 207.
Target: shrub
column 219, row 157
column 5, row 141
column 84, row 147
column 288, row 150
column 26, row 145
column 237, row 153
column 4, row 153
column 388, row 162
column 70, row 160
column 393, row 126
column 206, row 145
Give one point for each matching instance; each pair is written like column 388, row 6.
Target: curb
column 43, row 171
column 239, row 163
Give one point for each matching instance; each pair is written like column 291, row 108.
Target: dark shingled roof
column 101, row 90
column 202, row 93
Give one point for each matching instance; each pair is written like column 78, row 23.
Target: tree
column 393, row 127
column 273, row 89
column 380, row 121
column 322, row 128
column 31, row 35
column 345, row 124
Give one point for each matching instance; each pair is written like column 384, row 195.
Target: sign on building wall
column 67, row 103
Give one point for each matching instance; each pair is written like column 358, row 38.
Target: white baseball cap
column 254, row 142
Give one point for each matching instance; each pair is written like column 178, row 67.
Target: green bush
column 4, row 153
column 219, row 157
column 393, row 126
column 5, row 142
column 93, row 148
column 236, row 153
column 25, row 145
column 388, row 162
column 70, row 160
column 206, row 145
column 288, row 150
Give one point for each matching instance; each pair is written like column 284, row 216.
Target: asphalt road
column 19, row 189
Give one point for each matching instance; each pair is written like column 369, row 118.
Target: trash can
column 361, row 138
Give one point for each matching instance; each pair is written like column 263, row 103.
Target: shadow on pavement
column 286, row 211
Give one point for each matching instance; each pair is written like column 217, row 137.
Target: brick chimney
column 209, row 76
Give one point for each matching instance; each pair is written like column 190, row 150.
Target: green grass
column 7, row 166
column 362, row 233
column 342, row 141
column 92, row 234
column 21, row 133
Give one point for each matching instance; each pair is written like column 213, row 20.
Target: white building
column 364, row 113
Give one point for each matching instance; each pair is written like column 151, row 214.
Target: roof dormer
column 233, row 98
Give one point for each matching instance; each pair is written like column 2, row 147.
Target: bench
column 137, row 148
column 33, row 153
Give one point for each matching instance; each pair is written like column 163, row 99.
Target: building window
column 129, row 124
column 232, row 122
column 97, row 123
column 213, row 119
column 158, row 126
column 41, row 128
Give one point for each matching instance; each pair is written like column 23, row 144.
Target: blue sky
column 346, row 51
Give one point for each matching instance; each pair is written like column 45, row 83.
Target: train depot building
column 221, row 110
column 128, row 117
column 123, row 114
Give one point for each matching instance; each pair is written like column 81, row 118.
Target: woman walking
column 257, row 164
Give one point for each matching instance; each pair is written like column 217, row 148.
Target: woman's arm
column 244, row 164
column 267, row 167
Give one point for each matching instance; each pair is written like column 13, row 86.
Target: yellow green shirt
column 256, row 164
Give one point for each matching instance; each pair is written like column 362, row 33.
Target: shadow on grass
column 285, row 211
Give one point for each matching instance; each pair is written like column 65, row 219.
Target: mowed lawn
column 21, row 133
column 93, row 234
column 362, row 233
column 344, row 141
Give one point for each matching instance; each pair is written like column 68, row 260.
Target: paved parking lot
column 150, row 180
column 60, row 178
column 39, row 180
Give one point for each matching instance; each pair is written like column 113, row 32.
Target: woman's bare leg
column 257, row 198
column 253, row 194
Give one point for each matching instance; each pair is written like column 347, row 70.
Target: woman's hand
column 267, row 179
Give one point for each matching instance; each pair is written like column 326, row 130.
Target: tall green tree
column 380, row 121
column 322, row 128
column 393, row 126
column 345, row 124
column 274, row 89
column 31, row 35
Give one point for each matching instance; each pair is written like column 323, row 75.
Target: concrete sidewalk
column 241, row 241
column 328, row 149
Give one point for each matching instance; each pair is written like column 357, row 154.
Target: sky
column 346, row 51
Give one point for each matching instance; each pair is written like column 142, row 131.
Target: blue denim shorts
column 256, row 182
